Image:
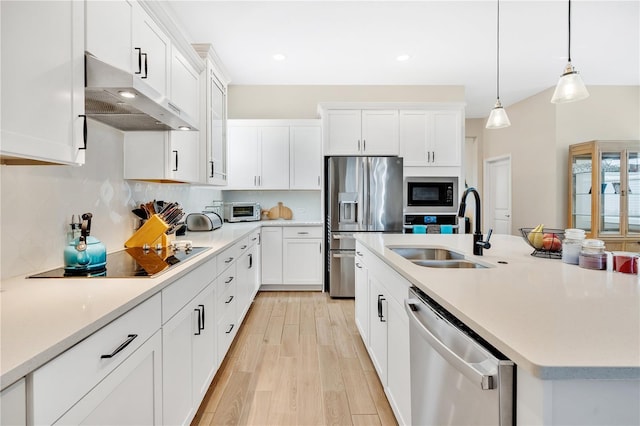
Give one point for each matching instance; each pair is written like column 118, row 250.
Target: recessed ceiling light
column 127, row 94
column 402, row 58
column 279, row 57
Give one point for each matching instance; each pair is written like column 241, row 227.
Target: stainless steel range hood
column 147, row 110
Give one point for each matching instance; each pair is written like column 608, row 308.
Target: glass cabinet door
column 581, row 171
column 610, row 191
column 633, row 192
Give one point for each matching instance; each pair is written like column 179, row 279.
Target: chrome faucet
column 478, row 243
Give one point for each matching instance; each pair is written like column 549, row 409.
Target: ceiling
column 449, row 43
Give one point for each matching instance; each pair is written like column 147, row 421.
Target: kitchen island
column 573, row 333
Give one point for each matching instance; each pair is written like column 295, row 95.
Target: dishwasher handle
column 486, row 381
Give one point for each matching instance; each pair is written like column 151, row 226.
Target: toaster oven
column 241, row 211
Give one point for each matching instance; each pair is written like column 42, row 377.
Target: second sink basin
column 426, row 253
column 448, row 264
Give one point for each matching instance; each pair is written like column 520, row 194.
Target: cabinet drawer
column 63, row 381
column 301, row 232
column 175, row 296
column 227, row 329
column 254, row 238
column 226, row 297
column 229, row 255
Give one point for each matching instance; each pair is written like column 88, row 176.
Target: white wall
column 38, row 201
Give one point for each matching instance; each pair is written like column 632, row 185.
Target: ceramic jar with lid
column 572, row 245
column 592, row 255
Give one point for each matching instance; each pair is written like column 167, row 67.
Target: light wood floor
column 297, row 360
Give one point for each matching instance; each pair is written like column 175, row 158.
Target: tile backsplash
column 37, row 202
column 305, row 205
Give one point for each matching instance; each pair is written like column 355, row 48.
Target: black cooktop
column 130, row 263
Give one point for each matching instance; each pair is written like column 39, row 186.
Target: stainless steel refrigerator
column 363, row 194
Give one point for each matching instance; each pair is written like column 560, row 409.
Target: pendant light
column 498, row 117
column 570, row 87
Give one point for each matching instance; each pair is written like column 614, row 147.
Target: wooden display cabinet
column 611, row 212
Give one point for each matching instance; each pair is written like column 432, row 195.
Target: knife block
column 151, row 233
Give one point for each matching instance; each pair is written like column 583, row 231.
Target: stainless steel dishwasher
column 457, row 378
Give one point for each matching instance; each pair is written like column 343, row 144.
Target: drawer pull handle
column 229, row 280
column 230, row 328
column 229, row 260
column 229, row 301
column 303, row 233
column 121, row 347
column 243, row 247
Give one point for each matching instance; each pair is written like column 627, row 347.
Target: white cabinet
column 151, row 50
column 115, row 357
column 185, row 86
column 248, row 270
column 271, row 260
column 131, row 394
column 162, row 156
column 302, row 256
column 13, row 404
column 42, row 82
column 431, row 138
column 362, row 297
column 256, row 156
column 227, row 309
column 361, row 132
column 305, row 158
column 213, row 119
column 189, row 360
column 108, row 32
column 384, row 327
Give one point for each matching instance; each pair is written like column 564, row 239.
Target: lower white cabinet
column 292, row 257
column 384, row 327
column 130, row 395
column 81, row 382
column 189, row 361
column 13, row 404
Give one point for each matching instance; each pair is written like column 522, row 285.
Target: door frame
column 489, row 209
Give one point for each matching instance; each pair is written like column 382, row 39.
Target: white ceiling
column 450, row 43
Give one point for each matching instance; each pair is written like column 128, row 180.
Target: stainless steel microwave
column 431, row 194
column 241, row 212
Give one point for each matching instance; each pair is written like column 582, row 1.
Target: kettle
column 85, row 253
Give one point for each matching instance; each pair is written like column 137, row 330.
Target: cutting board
column 280, row 212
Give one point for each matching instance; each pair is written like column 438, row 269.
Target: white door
column 274, row 158
column 305, row 157
column 498, row 194
column 243, row 157
column 343, row 132
column 380, row 132
column 271, row 255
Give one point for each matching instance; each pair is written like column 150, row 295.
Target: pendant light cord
column 498, row 55
column 569, row 14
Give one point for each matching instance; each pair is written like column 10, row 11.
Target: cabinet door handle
column 428, row 156
column 228, row 281
column 318, row 180
column 433, row 156
column 146, row 63
column 259, row 180
column 212, row 174
column 229, row 301
column 359, row 266
column 176, row 156
column 139, row 60
column 364, row 144
column 255, row 181
column 124, row 344
column 358, row 144
column 84, row 132
column 243, row 247
column 380, row 314
column 250, row 260
column 197, row 333
column 230, row 328
column 202, row 306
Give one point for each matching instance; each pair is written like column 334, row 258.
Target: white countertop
column 41, row 318
column 557, row 321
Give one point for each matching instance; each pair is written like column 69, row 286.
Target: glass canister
column 572, row 245
column 592, row 255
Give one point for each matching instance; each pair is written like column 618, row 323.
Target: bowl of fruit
column 547, row 242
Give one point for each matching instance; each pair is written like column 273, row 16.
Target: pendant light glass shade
column 498, row 117
column 570, row 87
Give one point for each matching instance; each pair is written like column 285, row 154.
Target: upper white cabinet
column 213, row 118
column 305, row 157
column 151, row 51
column 361, row 132
column 108, row 34
column 42, row 82
column 260, row 150
column 185, row 85
column 162, row 156
column 431, row 138
column 256, row 157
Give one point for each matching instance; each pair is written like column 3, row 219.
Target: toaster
column 206, row 221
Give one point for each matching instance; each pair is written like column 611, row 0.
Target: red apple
column 551, row 242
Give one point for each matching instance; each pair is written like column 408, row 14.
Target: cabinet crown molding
column 323, row 106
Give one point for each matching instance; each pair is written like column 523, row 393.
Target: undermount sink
column 435, row 257
column 426, row 253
